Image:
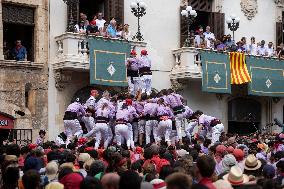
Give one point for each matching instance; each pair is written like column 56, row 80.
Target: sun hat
column 236, row 176
column 252, row 163
column 83, row 157
column 222, row 184
column 54, row 185
column 51, row 170
column 158, row 184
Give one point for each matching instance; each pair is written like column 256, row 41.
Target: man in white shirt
column 100, row 21
column 261, row 50
column 252, row 47
column 270, row 50
column 209, row 37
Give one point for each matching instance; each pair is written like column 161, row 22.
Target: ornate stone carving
column 218, row 5
column 279, row 3
column 249, row 7
column 177, row 84
column 61, row 79
column 183, row 3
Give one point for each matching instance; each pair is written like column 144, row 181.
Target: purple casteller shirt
column 132, row 64
column 139, row 106
column 175, row 100
column 123, row 114
column 144, row 61
column 77, row 108
column 103, row 112
column 188, row 112
column 150, row 108
column 205, row 120
column 102, row 101
column 164, row 111
column 132, row 113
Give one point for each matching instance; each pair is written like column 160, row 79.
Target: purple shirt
column 103, row 112
column 144, row 61
column 132, row 64
column 188, row 112
column 77, row 108
column 150, row 108
column 139, row 106
column 175, row 100
column 132, row 113
column 205, row 120
column 90, row 102
column 164, row 111
column 102, row 101
column 123, row 114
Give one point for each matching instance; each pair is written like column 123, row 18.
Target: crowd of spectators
column 99, row 27
column 234, row 162
column 207, row 40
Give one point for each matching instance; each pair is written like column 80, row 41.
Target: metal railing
column 22, row 136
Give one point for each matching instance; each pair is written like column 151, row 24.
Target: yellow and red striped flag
column 239, row 70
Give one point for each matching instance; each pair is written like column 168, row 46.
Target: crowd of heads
column 206, row 40
column 98, row 26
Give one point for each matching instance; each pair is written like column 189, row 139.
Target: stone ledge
column 21, row 64
column 70, row 65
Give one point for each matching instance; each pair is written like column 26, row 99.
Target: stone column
column 1, row 33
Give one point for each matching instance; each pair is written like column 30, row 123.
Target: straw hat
column 252, row 163
column 54, row 185
column 222, row 184
column 236, row 176
column 83, row 157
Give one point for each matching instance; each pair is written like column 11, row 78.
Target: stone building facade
column 24, row 84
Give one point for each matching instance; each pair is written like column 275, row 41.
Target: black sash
column 145, row 71
column 70, row 115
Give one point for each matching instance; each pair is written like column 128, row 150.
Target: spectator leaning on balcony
column 103, row 30
column 261, row 49
column 252, row 47
column 19, row 52
column 199, row 38
column 244, row 42
column 92, row 28
column 83, row 18
column 100, row 21
column 119, row 30
column 270, row 50
column 126, row 34
column 111, row 31
column 209, row 37
column 280, row 51
column 80, row 28
column 229, row 41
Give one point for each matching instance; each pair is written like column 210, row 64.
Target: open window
column 18, row 25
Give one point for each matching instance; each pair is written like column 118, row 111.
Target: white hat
column 54, row 185
column 236, row 176
column 158, row 184
column 83, row 157
column 252, row 163
column 222, row 184
column 51, row 170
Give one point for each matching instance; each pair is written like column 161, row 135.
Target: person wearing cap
column 71, row 120
column 239, row 155
column 252, row 166
column 133, row 78
column 164, row 128
column 145, row 72
column 91, row 102
column 40, row 138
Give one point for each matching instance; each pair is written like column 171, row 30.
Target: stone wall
column 15, row 75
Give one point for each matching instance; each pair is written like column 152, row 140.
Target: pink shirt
column 77, row 108
column 205, row 120
column 175, row 100
column 123, row 114
column 144, row 61
column 150, row 108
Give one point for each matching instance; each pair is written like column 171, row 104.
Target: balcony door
column 244, row 115
column 109, row 8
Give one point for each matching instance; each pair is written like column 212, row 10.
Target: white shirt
column 270, row 51
column 253, row 49
column 261, row 50
column 100, row 23
column 208, row 37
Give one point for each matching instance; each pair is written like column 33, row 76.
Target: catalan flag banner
column 267, row 76
column 238, row 68
column 216, row 72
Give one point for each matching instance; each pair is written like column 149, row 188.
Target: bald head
column 110, row 181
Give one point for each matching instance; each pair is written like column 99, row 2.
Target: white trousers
column 216, row 132
column 135, row 131
column 122, row 132
column 189, row 128
column 146, row 84
column 164, row 129
column 135, row 86
column 89, row 123
column 178, row 119
column 150, row 126
column 72, row 128
column 141, row 126
column 101, row 132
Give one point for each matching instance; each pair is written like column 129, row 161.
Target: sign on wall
column 6, row 121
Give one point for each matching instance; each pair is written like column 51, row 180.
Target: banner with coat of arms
column 216, row 72
column 107, row 61
column 267, row 76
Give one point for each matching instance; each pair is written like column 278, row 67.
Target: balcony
column 187, row 64
column 73, row 54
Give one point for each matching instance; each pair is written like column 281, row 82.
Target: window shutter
column 217, row 24
column 114, row 9
column 279, row 33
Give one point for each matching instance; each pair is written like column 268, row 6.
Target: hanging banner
column 239, row 71
column 267, row 76
column 6, row 121
column 216, row 72
column 107, row 61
